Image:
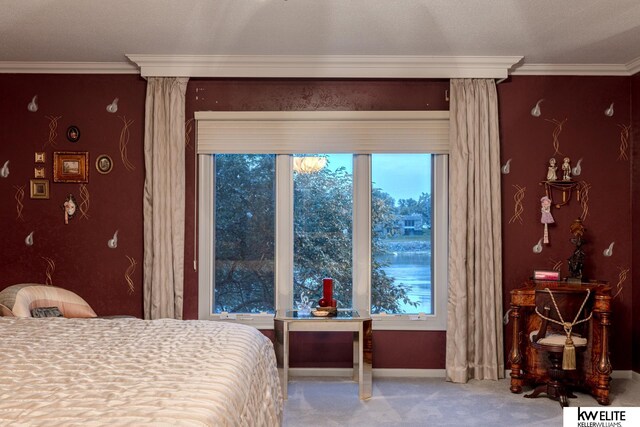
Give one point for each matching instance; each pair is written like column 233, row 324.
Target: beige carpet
column 431, row 402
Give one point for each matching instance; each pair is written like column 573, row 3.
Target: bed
column 126, row 371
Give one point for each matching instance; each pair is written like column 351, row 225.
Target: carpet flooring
column 431, row 402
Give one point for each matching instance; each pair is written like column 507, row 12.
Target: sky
column 403, row 176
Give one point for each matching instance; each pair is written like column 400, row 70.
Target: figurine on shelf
column 546, row 217
column 576, row 260
column 551, row 174
column 566, row 169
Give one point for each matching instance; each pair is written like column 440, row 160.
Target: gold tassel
column 569, row 355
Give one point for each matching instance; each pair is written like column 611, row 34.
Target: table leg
column 282, row 354
column 514, row 355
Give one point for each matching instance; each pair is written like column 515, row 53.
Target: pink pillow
column 19, row 300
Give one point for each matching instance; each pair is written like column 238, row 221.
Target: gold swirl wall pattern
column 84, row 202
column 50, row 268
column 517, row 204
column 19, row 196
column 624, row 141
column 124, row 141
column 188, row 128
column 53, row 131
column 556, row 134
column 555, row 265
column 622, row 278
column 129, row 272
column 583, row 197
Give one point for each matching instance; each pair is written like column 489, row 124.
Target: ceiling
column 543, row 31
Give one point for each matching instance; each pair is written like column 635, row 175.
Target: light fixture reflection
column 309, row 164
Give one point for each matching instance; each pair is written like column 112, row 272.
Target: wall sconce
column 537, row 248
column 577, row 170
column 113, row 242
column 33, row 105
column 535, row 111
column 29, row 239
column 4, row 172
column 505, row 169
column 113, row 107
column 609, row 250
column 609, row 111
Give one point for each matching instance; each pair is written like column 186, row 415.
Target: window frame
column 358, row 133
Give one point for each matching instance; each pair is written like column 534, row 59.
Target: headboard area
column 19, row 300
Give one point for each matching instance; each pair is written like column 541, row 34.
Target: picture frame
column 40, row 157
column 73, row 133
column 104, row 164
column 39, row 188
column 70, row 166
column 39, row 172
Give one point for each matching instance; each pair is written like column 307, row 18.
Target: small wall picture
column 39, row 188
column 104, row 164
column 38, row 172
column 70, row 166
column 40, row 157
column 73, row 133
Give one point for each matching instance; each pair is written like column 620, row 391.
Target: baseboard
column 377, row 372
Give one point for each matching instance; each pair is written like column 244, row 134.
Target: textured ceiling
column 543, row 31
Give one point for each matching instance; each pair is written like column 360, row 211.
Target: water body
column 412, row 269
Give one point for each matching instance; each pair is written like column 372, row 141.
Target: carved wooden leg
column 514, row 356
column 604, row 365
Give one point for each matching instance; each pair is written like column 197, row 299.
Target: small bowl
column 320, row 313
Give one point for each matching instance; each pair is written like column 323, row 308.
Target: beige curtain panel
column 163, row 203
column 474, row 322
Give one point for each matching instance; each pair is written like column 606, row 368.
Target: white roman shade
column 297, row 132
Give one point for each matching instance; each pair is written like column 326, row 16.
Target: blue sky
column 403, row 176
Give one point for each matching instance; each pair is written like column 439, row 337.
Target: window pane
column 244, row 233
column 401, row 233
column 323, row 213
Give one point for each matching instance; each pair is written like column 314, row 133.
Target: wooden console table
column 530, row 368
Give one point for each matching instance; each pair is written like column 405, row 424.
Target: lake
column 412, row 269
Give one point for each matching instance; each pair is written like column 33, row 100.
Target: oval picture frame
column 104, row 164
column 73, row 133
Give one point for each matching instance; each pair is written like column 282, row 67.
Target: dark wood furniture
column 531, row 367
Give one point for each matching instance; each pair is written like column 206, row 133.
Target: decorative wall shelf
column 564, row 187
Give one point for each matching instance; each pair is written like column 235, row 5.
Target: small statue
column 566, row 169
column 546, row 217
column 576, row 260
column 551, row 174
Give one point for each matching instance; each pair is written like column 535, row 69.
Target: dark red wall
column 85, row 264
column 635, row 205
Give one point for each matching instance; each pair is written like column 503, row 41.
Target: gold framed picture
column 39, row 189
column 71, row 166
column 38, row 172
column 104, row 164
column 40, row 157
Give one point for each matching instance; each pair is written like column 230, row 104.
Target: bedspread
column 57, row 371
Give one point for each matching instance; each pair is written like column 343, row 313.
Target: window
column 371, row 212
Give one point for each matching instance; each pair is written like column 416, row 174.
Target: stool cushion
column 559, row 339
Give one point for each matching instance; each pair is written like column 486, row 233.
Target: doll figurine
column 551, row 173
column 546, row 218
column 566, row 170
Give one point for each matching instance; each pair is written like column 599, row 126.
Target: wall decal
column 622, row 277
column 19, row 196
column 583, row 198
column 104, row 164
column 33, row 105
column 609, row 250
column 113, row 107
column 577, row 170
column 39, row 188
column 40, row 157
column 53, row 127
column 609, row 111
column 556, row 265
column 73, row 133
column 517, row 204
column 506, row 168
column 188, row 127
column 29, row 239
column 624, row 141
column 535, row 111
column 124, row 141
column 556, row 133
column 84, row 201
column 537, row 248
column 129, row 272
column 69, row 207
column 113, row 242
column 51, row 267
column 4, row 172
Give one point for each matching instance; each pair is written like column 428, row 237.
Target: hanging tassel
column 569, row 355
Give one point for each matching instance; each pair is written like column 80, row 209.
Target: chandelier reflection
column 309, row 164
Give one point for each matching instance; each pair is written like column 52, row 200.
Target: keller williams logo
column 602, row 415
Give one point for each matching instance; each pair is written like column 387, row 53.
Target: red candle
column 327, row 289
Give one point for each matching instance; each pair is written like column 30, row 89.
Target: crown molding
column 577, row 69
column 311, row 66
column 634, row 66
column 42, row 67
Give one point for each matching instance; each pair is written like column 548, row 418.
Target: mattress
column 89, row 372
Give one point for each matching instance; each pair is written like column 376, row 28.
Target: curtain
column 164, row 202
column 474, row 307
